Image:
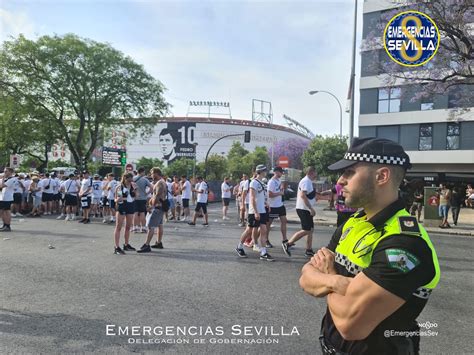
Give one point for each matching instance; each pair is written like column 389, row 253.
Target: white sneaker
column 104, row 221
column 61, row 216
column 67, row 218
column 73, row 217
column 256, row 248
column 13, row 215
column 19, row 214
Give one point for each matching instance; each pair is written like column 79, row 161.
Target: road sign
column 129, row 167
column 112, row 156
column 284, row 162
column 14, row 161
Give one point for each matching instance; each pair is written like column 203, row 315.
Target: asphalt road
column 66, row 299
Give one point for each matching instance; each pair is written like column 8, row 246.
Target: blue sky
column 222, row 50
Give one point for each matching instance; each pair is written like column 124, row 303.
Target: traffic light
column 123, row 157
column 247, row 137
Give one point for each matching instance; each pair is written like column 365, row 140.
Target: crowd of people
column 139, row 202
column 448, row 198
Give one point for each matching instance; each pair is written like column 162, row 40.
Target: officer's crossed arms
column 357, row 305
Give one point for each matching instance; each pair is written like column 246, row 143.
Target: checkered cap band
column 422, row 292
column 349, row 265
column 376, row 159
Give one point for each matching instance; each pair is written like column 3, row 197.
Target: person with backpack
column 125, row 202
column 257, row 217
column 70, row 188
column 85, row 195
column 158, row 206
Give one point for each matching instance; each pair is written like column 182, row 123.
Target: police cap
column 375, row 151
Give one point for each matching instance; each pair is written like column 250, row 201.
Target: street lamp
column 195, row 158
column 340, row 107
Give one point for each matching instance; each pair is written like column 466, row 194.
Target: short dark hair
column 172, row 133
column 183, row 176
column 156, row 171
column 141, row 170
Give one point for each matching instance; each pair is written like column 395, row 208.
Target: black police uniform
column 400, row 282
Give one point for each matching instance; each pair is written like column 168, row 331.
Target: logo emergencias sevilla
column 411, row 38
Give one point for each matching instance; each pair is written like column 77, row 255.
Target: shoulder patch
column 408, row 225
column 401, row 260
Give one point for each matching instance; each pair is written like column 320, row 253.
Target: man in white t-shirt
column 305, row 202
column 47, row 184
column 186, row 194
column 226, row 194
column 275, row 201
column 70, row 189
column 244, row 198
column 85, row 194
column 7, row 186
column 202, row 190
column 257, row 217
column 96, row 195
column 56, row 195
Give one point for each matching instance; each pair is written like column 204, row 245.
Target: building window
column 426, row 137
column 389, row 100
column 452, row 138
column 427, row 106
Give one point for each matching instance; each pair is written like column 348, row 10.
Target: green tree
column 324, row 151
column 216, row 167
column 258, row 156
column 21, row 133
column 149, row 163
column 180, row 167
column 241, row 161
column 80, row 88
column 237, row 151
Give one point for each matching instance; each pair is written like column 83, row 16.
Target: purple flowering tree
column 292, row 148
column 452, row 68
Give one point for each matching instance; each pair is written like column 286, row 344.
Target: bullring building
column 437, row 134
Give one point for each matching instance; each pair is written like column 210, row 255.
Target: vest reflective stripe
column 359, row 239
column 345, row 262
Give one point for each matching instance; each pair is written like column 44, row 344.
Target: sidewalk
column 328, row 218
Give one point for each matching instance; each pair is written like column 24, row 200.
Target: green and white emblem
column 401, row 259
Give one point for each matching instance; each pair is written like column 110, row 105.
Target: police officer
column 380, row 266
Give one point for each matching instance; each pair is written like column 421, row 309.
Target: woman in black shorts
column 124, row 202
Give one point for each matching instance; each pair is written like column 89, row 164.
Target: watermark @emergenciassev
column 427, row 329
column 195, row 334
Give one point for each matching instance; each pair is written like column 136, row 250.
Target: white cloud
column 12, row 24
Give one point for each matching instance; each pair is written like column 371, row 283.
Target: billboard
column 191, row 139
column 175, row 141
column 111, row 156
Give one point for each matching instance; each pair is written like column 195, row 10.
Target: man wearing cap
column 380, row 266
column 257, row 217
column 275, row 201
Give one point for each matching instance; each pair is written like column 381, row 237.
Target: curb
column 429, row 230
